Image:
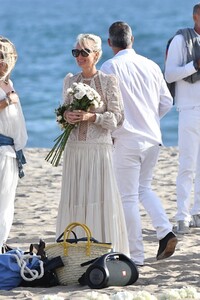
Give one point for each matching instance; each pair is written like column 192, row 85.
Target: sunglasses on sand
column 83, row 52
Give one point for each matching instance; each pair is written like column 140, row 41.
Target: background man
column 183, row 68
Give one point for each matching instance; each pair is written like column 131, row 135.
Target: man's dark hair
column 120, row 35
column 196, row 8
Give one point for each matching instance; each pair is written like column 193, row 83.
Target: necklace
column 89, row 77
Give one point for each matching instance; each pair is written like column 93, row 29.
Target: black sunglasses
column 83, row 52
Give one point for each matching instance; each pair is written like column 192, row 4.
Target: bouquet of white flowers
column 84, row 97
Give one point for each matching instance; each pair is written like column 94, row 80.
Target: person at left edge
column 89, row 192
column 13, row 138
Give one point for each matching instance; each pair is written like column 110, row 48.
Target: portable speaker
column 111, row 269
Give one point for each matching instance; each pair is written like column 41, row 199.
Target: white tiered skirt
column 90, row 195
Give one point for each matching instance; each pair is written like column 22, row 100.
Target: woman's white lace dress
column 12, row 124
column 89, row 192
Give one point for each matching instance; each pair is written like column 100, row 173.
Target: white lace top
column 12, row 124
column 108, row 117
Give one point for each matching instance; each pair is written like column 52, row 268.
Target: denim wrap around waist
column 8, row 141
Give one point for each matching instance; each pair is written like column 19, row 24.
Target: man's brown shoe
column 167, row 246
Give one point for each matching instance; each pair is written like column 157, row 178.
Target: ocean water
column 44, row 32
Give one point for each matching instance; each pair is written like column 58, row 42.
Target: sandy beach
column 37, row 199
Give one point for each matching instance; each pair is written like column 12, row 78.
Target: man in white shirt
column 183, row 68
column 136, row 144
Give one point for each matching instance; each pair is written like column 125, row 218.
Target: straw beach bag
column 74, row 252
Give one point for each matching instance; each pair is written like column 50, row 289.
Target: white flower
column 70, row 91
column 122, row 296
column 52, row 297
column 191, row 292
column 74, row 84
column 170, row 295
column 90, row 95
column 183, row 293
column 96, row 296
column 95, row 103
column 97, row 96
column 100, row 103
column 79, row 94
column 59, row 118
column 79, row 90
column 143, row 295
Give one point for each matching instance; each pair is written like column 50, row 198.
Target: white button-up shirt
column 145, row 95
column 187, row 94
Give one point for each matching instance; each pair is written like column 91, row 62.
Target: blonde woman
column 13, row 138
column 89, row 191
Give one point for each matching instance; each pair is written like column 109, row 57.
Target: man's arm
column 175, row 66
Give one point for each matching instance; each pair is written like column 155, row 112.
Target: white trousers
column 8, row 185
column 189, row 163
column 134, row 172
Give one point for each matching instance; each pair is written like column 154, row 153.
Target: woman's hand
column 13, row 97
column 76, row 116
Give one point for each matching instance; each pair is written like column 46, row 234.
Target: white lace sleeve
column 114, row 115
column 66, row 85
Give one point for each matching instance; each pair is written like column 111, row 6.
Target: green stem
column 55, row 153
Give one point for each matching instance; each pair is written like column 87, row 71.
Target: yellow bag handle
column 69, row 229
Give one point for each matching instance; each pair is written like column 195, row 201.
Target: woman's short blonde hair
column 8, row 55
column 85, row 39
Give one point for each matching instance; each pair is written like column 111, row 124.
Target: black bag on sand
column 49, row 278
column 111, row 269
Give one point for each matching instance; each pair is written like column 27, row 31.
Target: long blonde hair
column 8, row 55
